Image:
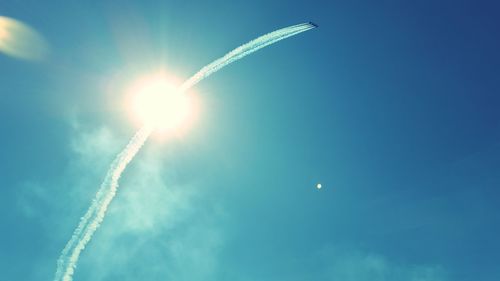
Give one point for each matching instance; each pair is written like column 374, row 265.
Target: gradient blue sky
column 392, row 106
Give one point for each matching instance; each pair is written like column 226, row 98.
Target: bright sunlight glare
column 157, row 102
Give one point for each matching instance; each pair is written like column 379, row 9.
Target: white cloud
column 156, row 228
column 358, row 266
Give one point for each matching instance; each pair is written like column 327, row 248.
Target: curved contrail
column 244, row 50
column 94, row 216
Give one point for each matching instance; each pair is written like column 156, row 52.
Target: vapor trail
column 94, row 216
column 244, row 50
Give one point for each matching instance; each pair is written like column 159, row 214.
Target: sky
column 392, row 106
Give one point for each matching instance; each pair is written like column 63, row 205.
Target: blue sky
column 392, row 106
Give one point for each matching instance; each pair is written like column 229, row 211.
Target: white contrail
column 94, row 216
column 244, row 50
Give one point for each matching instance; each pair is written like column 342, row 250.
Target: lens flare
column 19, row 40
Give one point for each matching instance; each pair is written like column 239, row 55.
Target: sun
column 158, row 103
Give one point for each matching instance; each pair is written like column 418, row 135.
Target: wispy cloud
column 361, row 266
column 157, row 228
